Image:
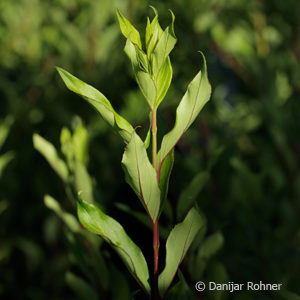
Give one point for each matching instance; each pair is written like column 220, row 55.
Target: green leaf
column 165, row 44
column 197, row 94
column 177, row 245
column 80, row 143
column 190, row 193
column 99, row 102
column 163, row 81
column 153, row 34
column 143, row 78
column 181, row 290
column 211, row 246
column 94, row 220
column 141, row 175
column 67, row 147
column 164, row 177
column 83, row 182
column 129, row 30
column 148, row 138
column 68, row 219
column 50, row 153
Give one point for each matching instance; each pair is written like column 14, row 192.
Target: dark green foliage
column 246, row 141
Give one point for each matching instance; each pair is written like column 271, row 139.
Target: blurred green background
column 240, row 161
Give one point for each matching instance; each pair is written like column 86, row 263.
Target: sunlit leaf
column 197, row 94
column 99, row 102
column 94, row 220
column 163, row 81
column 143, row 78
column 153, row 34
column 129, row 30
column 163, row 48
column 141, row 175
column 50, row 153
column 177, row 245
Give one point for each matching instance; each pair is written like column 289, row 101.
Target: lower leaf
column 94, row 220
column 177, row 245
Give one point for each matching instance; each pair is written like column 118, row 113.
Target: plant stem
column 155, row 259
column 155, row 225
column 154, row 139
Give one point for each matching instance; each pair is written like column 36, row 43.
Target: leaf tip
column 154, row 9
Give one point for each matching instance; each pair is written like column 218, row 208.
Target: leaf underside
column 177, row 245
column 141, row 176
column 94, row 220
column 99, row 102
column 196, row 96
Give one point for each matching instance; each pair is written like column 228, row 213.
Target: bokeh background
column 240, row 161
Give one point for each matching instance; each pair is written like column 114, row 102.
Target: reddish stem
column 155, row 259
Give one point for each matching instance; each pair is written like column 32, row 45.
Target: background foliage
column 239, row 162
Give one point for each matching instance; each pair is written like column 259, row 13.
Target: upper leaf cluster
column 152, row 66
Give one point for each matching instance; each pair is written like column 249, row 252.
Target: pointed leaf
column 163, row 48
column 189, row 195
column 163, row 81
column 197, row 94
column 177, row 245
column 50, row 153
column 153, row 34
column 143, row 78
column 99, row 102
column 129, row 30
column 141, row 175
column 94, row 220
column 148, row 138
column 164, row 177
